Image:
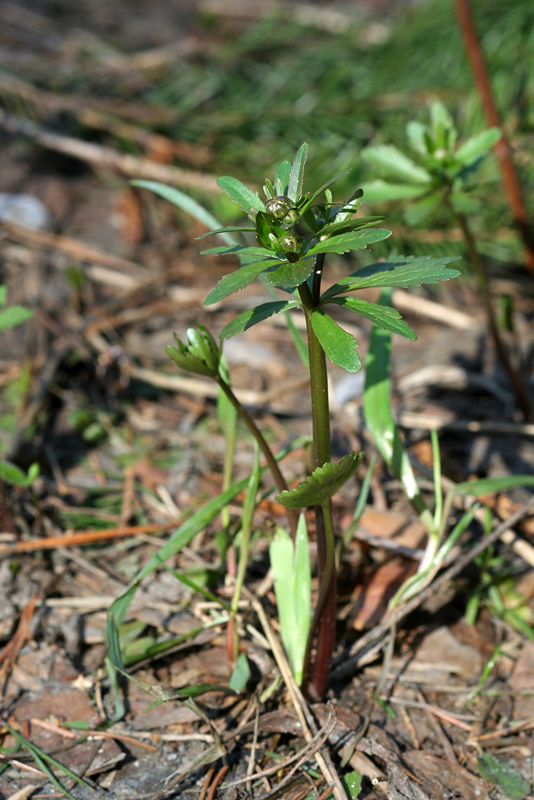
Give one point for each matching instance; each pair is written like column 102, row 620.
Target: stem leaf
column 289, row 275
column 404, row 271
column 241, row 194
column 237, row 280
column 392, row 161
column 356, row 240
column 296, row 176
column 384, row 317
column 322, row 484
column 339, row 346
column 254, row 315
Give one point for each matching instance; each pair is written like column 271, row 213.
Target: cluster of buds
column 201, row 355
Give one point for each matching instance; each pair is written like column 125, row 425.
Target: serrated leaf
column 281, row 181
column 254, row 315
column 186, row 203
column 322, row 484
column 237, row 280
column 477, row 146
column 349, row 208
column 291, row 274
column 348, row 225
column 384, row 317
column 241, row 194
column 339, row 346
column 405, row 271
column 380, row 191
column 356, row 240
column 238, row 250
column 296, row 176
column 511, row 782
column 396, row 163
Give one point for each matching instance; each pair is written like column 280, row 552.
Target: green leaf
column 356, row 240
column 281, row 181
column 296, row 176
column 325, row 186
column 232, row 229
column 396, row 163
column 405, row 271
column 291, row 274
column 241, row 194
column 240, row 675
column 418, row 211
column 352, row 781
column 237, row 280
column 252, row 316
column 380, row 191
column 339, row 346
column 384, row 317
column 187, row 204
column 415, row 132
column 491, row 485
column 14, row 476
column 292, row 586
column 477, row 146
column 239, row 250
column 322, row 484
column 14, row 315
column 348, row 225
column 3, row 295
column 511, row 782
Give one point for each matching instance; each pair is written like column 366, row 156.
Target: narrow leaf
column 491, row 485
column 396, row 163
column 325, row 186
column 237, row 280
column 356, row 240
column 380, row 191
column 14, row 315
column 296, row 176
column 281, row 181
column 238, row 250
column 252, row 316
column 187, row 204
column 232, row 229
column 384, row 317
column 322, row 484
column 405, row 271
column 241, row 194
column 477, row 146
column 339, row 346
column 348, row 225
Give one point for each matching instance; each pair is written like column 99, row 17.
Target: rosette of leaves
column 294, row 231
column 439, row 167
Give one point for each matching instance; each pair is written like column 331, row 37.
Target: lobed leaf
column 396, row 163
column 237, row 280
column 252, row 316
column 405, row 271
column 339, row 346
column 241, row 194
column 322, row 484
column 355, row 240
column 291, row 274
column 384, row 317
column 296, row 175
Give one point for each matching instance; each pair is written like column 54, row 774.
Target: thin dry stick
column 503, row 150
column 306, row 720
column 374, row 641
column 98, row 156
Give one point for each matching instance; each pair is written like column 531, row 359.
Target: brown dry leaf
column 441, row 778
column 440, row 655
column 522, row 680
column 392, row 525
column 374, row 594
column 130, row 212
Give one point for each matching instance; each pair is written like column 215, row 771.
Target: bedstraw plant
column 289, row 235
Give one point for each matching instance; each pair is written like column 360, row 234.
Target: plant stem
column 264, row 447
column 325, row 612
column 513, row 374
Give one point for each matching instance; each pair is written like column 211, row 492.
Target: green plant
column 441, row 174
column 294, row 231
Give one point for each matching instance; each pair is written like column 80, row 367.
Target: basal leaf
column 396, row 163
column 296, row 176
column 339, row 346
column 237, row 250
column 380, row 191
column 355, row 240
column 254, row 315
column 290, row 275
column 477, row 146
column 14, row 315
column 241, row 194
column 384, row 317
column 404, row 271
column 237, row 280
column 322, row 484
column 511, row 782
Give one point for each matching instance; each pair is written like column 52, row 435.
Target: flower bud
column 289, row 243
column 278, row 207
column 291, row 217
column 201, row 355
